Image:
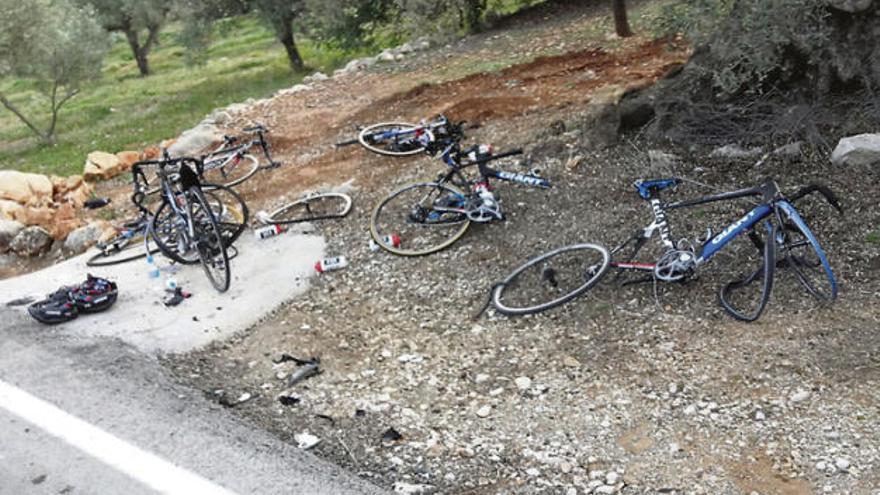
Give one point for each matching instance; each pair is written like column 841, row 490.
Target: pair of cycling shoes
column 94, row 295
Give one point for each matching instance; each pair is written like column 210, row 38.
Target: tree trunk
column 139, row 52
column 286, row 38
column 473, row 11
column 47, row 139
column 621, row 22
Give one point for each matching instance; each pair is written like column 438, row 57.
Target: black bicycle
column 430, row 216
column 773, row 225
column 190, row 225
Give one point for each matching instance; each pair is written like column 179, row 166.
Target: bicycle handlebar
column 513, row 152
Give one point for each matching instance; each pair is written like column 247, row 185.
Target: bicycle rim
column 169, row 232
column 230, row 211
column 238, row 170
column 397, row 145
column 311, row 208
column 410, row 214
column 209, row 242
column 805, row 257
column 551, row 279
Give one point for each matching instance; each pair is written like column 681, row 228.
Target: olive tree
column 621, row 21
column 55, row 46
column 139, row 20
column 280, row 15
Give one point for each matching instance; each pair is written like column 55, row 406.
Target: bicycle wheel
column 803, row 254
column 121, row 249
column 394, row 138
column 744, row 299
column 170, row 233
column 422, row 216
column 230, row 170
column 551, row 279
column 209, row 241
column 229, row 209
column 311, row 208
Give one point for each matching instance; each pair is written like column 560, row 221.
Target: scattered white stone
column 597, row 474
column 841, row 463
column 411, row 488
column 760, row 416
column 821, row 466
column 496, row 391
column 611, row 478
column 799, row 396
column 533, row 472
column 306, row 440
column 481, row 377
column 523, row 383
column 605, row 490
column 484, row 411
column 690, row 409
column 243, row 398
column 863, row 149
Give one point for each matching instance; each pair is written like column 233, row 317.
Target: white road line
column 140, row 465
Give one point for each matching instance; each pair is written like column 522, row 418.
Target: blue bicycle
column 774, row 226
column 402, row 138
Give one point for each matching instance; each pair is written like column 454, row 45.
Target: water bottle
column 268, row 231
column 329, row 264
column 153, row 267
column 392, row 240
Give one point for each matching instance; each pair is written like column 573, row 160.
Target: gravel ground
column 635, row 389
column 625, row 390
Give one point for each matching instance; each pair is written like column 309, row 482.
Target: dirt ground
column 637, row 389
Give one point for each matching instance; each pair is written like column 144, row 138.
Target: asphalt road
column 83, row 414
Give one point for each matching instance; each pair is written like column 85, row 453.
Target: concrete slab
column 265, row 274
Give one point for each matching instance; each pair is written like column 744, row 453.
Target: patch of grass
column 873, row 237
column 121, row 110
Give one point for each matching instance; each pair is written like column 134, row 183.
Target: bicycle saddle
column 650, row 188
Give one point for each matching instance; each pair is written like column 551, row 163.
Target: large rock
column 35, row 216
column 127, row 159
column 84, row 237
column 63, row 222
column 10, row 210
column 31, row 241
column 8, row 230
column 101, row 165
column 863, row 149
column 70, row 190
column 24, row 188
column 193, row 141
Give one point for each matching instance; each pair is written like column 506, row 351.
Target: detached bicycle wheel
column 803, row 254
column 426, row 217
column 311, row 208
column 394, row 138
column 229, row 209
column 209, row 241
column 551, row 279
column 230, row 170
column 121, row 250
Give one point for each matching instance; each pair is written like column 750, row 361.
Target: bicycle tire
column 217, row 174
column 232, row 222
column 460, row 220
column 164, row 231
column 234, row 215
column 594, row 274
column 209, row 242
column 303, row 209
column 382, row 127
column 797, row 259
column 115, row 253
column 765, row 271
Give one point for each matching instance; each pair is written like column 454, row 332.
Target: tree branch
column 12, row 108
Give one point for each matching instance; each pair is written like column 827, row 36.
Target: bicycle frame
column 772, row 200
column 228, row 147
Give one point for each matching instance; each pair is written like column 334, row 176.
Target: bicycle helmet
column 57, row 308
column 94, row 295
